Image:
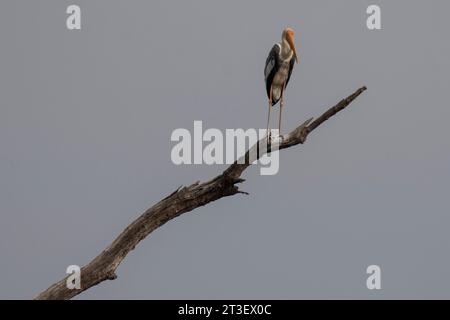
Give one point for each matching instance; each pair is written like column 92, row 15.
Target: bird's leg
column 281, row 109
column 268, row 117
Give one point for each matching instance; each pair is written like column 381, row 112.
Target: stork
column 278, row 70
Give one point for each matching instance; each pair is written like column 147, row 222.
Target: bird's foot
column 275, row 138
column 279, row 138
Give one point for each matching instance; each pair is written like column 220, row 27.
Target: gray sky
column 85, row 124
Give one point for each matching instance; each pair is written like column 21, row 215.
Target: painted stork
column 278, row 70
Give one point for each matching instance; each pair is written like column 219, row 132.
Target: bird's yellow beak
column 290, row 39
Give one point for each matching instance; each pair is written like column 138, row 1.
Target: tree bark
column 182, row 200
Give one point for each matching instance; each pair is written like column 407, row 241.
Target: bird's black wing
column 291, row 67
column 271, row 67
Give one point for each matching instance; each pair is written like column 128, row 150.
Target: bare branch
column 182, row 200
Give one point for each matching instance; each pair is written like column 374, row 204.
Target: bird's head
column 288, row 35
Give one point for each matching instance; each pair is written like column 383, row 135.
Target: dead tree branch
column 182, row 200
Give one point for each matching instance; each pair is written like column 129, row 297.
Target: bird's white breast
column 280, row 78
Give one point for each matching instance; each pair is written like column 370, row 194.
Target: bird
column 278, row 70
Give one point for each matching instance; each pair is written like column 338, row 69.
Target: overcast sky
column 86, row 118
